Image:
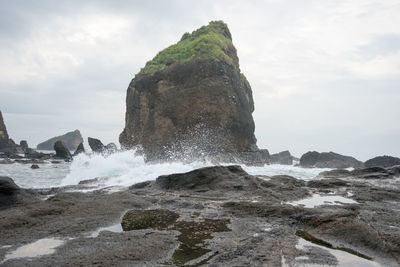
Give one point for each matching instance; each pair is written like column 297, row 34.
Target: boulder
column 62, row 151
column 96, row 145
column 11, row 194
column 34, row 166
column 111, row 148
column 79, row 149
column 191, row 96
column 382, row 161
column 24, row 144
column 328, row 160
column 70, row 139
column 223, row 178
column 284, row 158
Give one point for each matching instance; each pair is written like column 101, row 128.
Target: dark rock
column 111, row 148
column 4, row 139
column 7, row 145
column 35, row 166
column 96, row 145
column 24, row 144
column 284, row 158
column 32, row 154
column 204, row 104
column 328, row 160
column 327, row 183
column 79, row 149
column 11, row 194
column 204, row 179
column 70, row 139
column 62, row 151
column 382, row 161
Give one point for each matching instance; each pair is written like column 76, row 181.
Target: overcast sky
column 325, row 74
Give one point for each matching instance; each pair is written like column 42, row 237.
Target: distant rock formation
column 382, row 161
column 96, row 145
column 328, row 160
column 5, row 141
column 80, row 149
column 283, row 158
column 70, row 139
column 61, row 150
column 191, row 96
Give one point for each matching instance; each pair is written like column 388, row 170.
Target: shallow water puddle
column 38, row 248
column 318, row 200
column 345, row 259
column 116, row 228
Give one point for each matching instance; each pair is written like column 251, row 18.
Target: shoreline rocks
column 216, row 216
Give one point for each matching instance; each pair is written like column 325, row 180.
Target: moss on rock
column 211, row 41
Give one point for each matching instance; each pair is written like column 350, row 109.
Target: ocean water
column 123, row 169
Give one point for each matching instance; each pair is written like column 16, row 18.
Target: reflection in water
column 318, row 200
column 38, row 248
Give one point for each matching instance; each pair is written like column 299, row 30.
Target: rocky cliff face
column 70, row 139
column 191, row 96
column 3, row 132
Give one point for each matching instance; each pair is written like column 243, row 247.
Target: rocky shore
column 215, row 216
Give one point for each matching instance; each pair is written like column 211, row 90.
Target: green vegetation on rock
column 211, row 41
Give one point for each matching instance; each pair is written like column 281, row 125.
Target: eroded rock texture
column 202, row 101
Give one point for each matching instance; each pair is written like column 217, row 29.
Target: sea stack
column 191, row 96
column 4, row 139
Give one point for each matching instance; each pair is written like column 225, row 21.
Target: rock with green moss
column 191, row 99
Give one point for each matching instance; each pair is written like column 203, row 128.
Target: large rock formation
column 328, row 160
column 70, row 139
column 191, row 96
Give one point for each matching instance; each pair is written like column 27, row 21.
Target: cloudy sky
column 325, row 74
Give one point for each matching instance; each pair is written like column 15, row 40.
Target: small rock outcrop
column 111, row 148
column 382, row 161
column 11, row 194
column 79, row 149
column 283, row 158
column 61, row 150
column 329, row 160
column 70, row 139
column 205, row 179
column 7, row 144
column 24, row 144
column 191, row 96
column 96, row 145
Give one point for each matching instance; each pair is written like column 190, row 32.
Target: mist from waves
column 123, row 169
column 127, row 168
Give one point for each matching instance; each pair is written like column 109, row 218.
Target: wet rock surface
column 96, row 145
column 203, row 102
column 62, row 151
column 216, row 216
